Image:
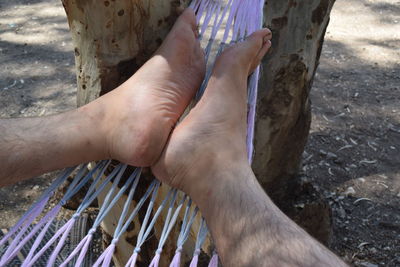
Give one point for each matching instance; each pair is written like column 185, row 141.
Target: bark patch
column 279, row 23
column 320, row 12
column 287, row 79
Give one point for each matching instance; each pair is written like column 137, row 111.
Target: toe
column 188, row 17
column 259, row 42
column 257, row 60
column 245, row 56
column 257, row 39
column 264, row 50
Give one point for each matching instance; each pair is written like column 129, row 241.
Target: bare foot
column 140, row 114
column 214, row 132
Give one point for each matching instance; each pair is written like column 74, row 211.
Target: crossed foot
column 164, row 87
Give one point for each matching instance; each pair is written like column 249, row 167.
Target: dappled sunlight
column 356, row 27
column 35, row 69
column 37, row 74
column 353, row 148
column 34, row 24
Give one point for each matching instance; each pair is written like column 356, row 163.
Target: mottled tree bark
column 283, row 112
column 113, row 38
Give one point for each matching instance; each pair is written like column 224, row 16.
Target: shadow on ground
column 353, row 152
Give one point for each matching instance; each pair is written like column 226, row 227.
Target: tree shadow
column 7, row 4
column 356, row 116
column 35, row 75
column 386, row 11
column 352, row 155
column 38, row 75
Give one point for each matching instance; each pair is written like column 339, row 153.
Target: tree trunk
column 283, row 106
column 113, row 38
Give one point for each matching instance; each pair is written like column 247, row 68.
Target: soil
column 353, row 153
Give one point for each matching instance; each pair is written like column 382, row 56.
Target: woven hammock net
column 40, row 238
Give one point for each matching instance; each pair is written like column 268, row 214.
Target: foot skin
column 140, row 114
column 214, row 132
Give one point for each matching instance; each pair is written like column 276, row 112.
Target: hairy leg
column 131, row 124
column 206, row 158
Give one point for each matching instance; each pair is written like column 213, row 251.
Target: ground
column 353, row 152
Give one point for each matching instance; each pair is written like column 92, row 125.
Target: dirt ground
column 353, row 153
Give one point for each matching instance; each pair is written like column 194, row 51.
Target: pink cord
column 80, row 247
column 132, row 260
column 61, row 243
column 84, row 250
column 108, row 257
column 156, row 259
column 25, row 221
column 194, row 261
column 214, row 261
column 176, row 261
column 48, row 244
column 48, row 218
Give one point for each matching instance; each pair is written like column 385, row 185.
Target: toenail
column 266, row 38
column 268, row 42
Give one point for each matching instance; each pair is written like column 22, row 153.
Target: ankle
column 214, row 172
column 213, row 183
column 92, row 118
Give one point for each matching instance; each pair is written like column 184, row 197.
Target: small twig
column 353, row 141
column 363, row 244
column 368, row 161
column 371, row 146
column 345, row 147
column 360, row 199
column 326, row 118
column 381, row 183
column 11, row 85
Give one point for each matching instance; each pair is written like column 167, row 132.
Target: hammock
column 41, row 244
